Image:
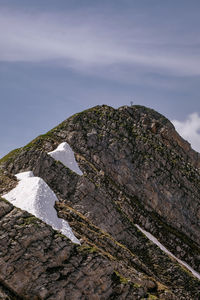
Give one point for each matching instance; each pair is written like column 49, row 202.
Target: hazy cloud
column 78, row 41
column 190, row 130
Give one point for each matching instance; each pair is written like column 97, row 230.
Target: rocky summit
column 134, row 208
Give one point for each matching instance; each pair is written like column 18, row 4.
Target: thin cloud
column 84, row 43
column 189, row 129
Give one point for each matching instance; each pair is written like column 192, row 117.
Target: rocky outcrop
column 39, row 263
column 136, row 170
column 7, row 182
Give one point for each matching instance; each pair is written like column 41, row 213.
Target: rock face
column 136, row 170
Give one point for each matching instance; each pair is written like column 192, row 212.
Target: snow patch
column 65, row 155
column 155, row 241
column 35, row 196
column 24, row 175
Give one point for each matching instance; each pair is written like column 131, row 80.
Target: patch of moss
column 118, row 278
column 30, row 220
column 60, row 235
column 152, row 297
column 88, row 163
column 4, row 200
column 10, row 156
column 87, row 248
column 38, row 141
column 136, row 285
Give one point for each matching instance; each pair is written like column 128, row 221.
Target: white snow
column 155, row 241
column 35, row 196
column 65, row 155
column 24, row 175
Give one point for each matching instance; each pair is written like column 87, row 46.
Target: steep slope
column 136, row 170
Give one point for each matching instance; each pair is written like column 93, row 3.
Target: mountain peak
column 136, row 173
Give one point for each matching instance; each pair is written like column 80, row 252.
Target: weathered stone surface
column 39, row 263
column 7, row 182
column 137, row 169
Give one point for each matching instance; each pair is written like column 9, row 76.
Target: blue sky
column 60, row 57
